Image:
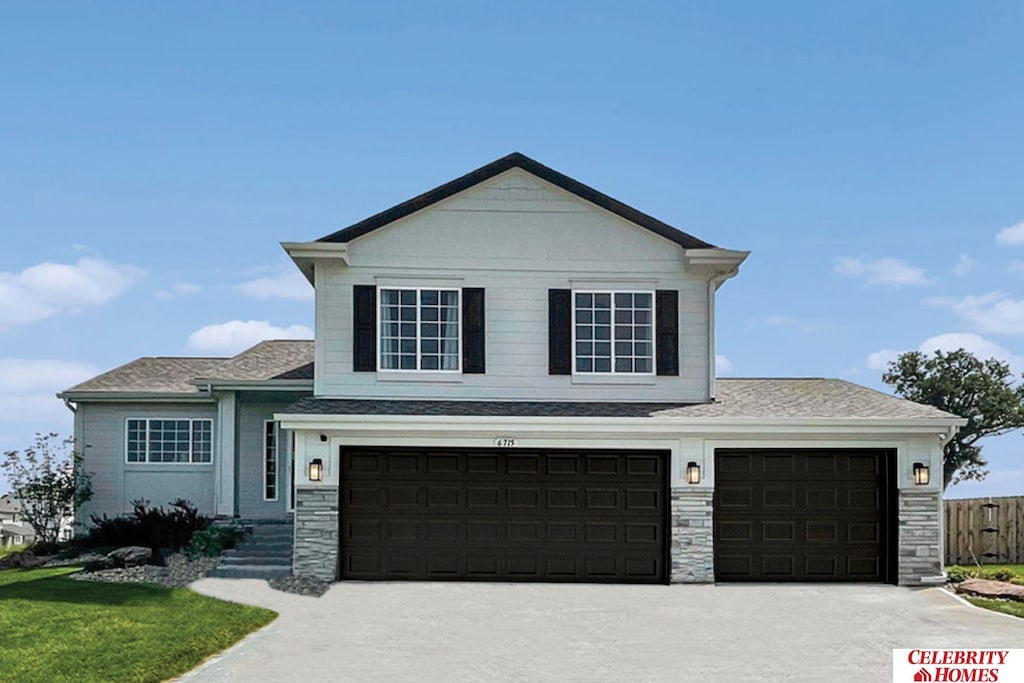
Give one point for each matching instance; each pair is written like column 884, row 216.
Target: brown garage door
column 504, row 515
column 804, row 515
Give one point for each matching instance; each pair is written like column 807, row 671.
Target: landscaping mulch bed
column 180, row 571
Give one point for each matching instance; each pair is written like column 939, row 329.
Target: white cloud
column 29, row 387
column 292, row 285
column 1013, row 235
column 994, row 312
column 879, row 360
column 236, row 335
column 723, row 366
column 883, row 271
column 176, row 290
column 964, row 266
column 48, row 289
column 951, row 341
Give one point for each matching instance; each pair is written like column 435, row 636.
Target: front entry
column 504, row 515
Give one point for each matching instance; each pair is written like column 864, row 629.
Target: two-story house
column 13, row 530
column 513, row 379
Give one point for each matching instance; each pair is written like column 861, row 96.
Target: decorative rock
column 26, row 559
column 300, row 585
column 984, row 588
column 180, row 571
column 130, row 556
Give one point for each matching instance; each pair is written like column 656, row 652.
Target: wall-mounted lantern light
column 316, row 469
column 692, row 473
column 921, row 474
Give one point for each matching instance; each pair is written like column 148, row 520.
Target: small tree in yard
column 983, row 392
column 48, row 484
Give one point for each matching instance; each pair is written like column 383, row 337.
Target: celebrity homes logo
column 957, row 666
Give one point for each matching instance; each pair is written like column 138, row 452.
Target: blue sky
column 152, row 157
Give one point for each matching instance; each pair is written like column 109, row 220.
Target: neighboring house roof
column 811, row 398
column 505, row 163
column 12, row 529
column 8, row 505
column 268, row 360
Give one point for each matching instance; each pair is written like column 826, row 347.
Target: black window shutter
column 559, row 332
column 666, row 331
column 473, row 337
column 364, row 328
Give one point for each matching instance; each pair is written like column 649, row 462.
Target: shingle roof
column 278, row 359
column 516, row 160
column 737, row 399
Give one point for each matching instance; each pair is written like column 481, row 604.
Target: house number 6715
column 505, row 442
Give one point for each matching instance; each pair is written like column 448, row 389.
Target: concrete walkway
column 578, row 632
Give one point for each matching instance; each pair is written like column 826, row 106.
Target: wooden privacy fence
column 985, row 530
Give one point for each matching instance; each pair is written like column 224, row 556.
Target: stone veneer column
column 316, row 532
column 693, row 555
column 920, row 542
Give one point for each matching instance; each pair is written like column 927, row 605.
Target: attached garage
column 504, row 515
column 805, row 515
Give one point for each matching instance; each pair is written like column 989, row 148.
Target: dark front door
column 804, row 515
column 504, row 515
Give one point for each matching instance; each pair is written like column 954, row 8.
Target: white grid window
column 270, row 432
column 169, row 441
column 419, row 329
column 613, row 332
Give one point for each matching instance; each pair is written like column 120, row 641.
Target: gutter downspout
column 68, row 403
column 713, row 285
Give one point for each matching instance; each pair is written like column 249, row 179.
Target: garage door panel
column 826, row 521
column 490, row 515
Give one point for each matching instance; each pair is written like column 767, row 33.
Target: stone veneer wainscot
column 920, row 542
column 693, row 557
column 316, row 532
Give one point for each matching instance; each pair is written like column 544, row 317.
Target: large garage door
column 804, row 515
column 504, row 515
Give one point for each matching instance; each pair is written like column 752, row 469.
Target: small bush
column 956, row 573
column 153, row 528
column 213, row 540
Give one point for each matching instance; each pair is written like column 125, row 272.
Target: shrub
column 213, row 540
column 154, row 528
column 956, row 573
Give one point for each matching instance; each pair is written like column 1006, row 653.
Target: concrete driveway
column 577, row 632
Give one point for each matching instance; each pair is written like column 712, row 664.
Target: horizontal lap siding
column 115, row 482
column 250, row 481
column 516, row 244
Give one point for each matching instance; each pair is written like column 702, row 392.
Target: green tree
column 48, row 483
column 984, row 392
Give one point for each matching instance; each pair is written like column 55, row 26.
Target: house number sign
column 505, row 442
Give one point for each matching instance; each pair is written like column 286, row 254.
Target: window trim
column 277, row 458
column 652, row 340
column 380, row 330
column 191, row 442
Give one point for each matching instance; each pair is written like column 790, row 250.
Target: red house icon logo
column 922, row 675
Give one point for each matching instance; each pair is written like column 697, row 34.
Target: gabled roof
column 282, row 359
column 505, row 163
column 738, row 399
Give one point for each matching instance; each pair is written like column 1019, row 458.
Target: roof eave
column 139, row 396
column 212, row 384
column 305, row 255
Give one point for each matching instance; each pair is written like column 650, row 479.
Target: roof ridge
column 534, row 167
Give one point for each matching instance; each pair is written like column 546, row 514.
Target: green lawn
column 53, row 628
column 1005, row 606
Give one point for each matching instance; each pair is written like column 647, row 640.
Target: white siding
column 516, row 236
column 101, row 436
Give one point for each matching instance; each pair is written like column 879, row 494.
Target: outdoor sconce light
column 692, row 473
column 316, row 469
column 921, row 474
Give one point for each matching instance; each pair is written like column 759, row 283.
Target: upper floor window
column 160, row 440
column 613, row 332
column 419, row 329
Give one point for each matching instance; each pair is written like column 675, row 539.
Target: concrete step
column 250, row 571
column 250, row 544
column 251, row 550
column 284, row 561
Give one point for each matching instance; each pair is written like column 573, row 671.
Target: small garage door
column 504, row 515
column 804, row 515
